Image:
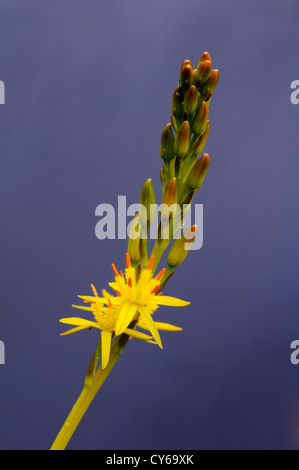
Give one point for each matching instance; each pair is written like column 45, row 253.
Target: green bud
column 186, row 74
column 174, row 123
column 205, row 56
column 191, row 99
column 203, row 71
column 147, row 211
column 181, row 247
column 182, row 140
column 134, row 240
column 200, row 142
column 167, row 143
column 169, row 206
column 198, row 172
column 188, row 199
column 177, row 100
column 211, row 82
column 200, row 121
column 170, row 196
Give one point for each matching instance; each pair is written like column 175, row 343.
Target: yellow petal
column 106, row 294
column 170, row 301
column 106, row 346
column 137, row 334
column 126, row 315
column 147, row 318
column 74, row 330
column 79, row 322
column 113, row 285
column 80, row 307
column 90, row 298
column 160, row 326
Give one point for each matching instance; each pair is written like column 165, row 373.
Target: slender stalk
column 87, row 395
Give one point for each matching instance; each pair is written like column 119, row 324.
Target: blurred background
column 88, row 92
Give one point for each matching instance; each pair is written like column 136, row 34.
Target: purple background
column 88, row 91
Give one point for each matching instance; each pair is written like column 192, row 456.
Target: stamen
column 130, row 282
column 161, row 273
column 128, row 261
column 139, row 269
column 109, row 303
column 155, row 289
column 151, row 262
column 115, row 270
column 94, row 291
column 122, row 274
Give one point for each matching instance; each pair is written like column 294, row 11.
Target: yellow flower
column 105, row 320
column 138, row 297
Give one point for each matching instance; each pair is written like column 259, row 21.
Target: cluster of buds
column 184, row 139
column 184, row 167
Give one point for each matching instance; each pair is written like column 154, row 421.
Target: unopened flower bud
column 134, row 240
column 177, row 100
column 211, row 82
column 147, row 211
column 200, row 121
column 200, row 142
column 169, row 198
column 198, row 172
column 191, row 99
column 182, row 139
column 205, row 56
column 167, row 143
column 186, row 74
column 203, row 71
column 181, row 247
column 174, row 123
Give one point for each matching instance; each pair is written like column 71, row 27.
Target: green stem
column 87, row 395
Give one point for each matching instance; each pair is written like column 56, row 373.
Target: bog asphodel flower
column 137, row 298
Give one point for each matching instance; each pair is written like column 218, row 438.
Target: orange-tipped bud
column 182, row 140
column 212, row 82
column 186, row 74
column 203, row 71
column 169, row 201
column 205, row 56
column 191, row 99
column 199, row 124
column 167, row 143
column 198, row 172
column 180, row 248
column 170, row 194
column 200, row 143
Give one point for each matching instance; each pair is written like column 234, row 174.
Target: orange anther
column 128, row 261
column 155, row 289
column 151, row 262
column 160, row 274
column 94, row 291
column 115, row 270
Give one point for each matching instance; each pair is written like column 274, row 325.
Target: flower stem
column 87, row 395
